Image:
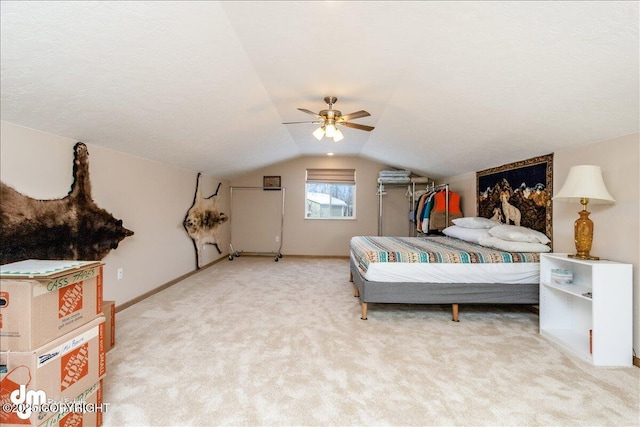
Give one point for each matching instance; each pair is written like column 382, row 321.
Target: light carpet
column 255, row 342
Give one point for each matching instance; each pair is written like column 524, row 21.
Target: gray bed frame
column 441, row 293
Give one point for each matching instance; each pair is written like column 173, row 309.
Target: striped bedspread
column 433, row 249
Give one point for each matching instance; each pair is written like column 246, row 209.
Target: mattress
column 438, row 259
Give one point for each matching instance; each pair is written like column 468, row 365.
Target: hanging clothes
column 438, row 216
column 422, row 211
column 431, row 208
column 418, row 211
column 426, row 213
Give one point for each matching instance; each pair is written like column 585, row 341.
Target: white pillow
column 472, row 235
column 511, row 246
column 475, row 222
column 518, row 234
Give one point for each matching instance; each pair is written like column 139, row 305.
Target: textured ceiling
column 452, row 87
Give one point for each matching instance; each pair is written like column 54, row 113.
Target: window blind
column 346, row 176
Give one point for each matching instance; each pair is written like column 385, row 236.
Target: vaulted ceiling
column 452, row 87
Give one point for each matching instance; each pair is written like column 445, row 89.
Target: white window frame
column 330, row 177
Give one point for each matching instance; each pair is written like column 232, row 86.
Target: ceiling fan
column 330, row 119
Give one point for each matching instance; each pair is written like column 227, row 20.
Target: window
column 330, row 193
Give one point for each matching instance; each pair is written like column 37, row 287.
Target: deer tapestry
column 202, row 221
column 518, row 193
column 71, row 228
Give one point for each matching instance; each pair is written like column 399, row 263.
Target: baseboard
column 166, row 285
column 318, row 256
column 533, row 308
column 269, row 254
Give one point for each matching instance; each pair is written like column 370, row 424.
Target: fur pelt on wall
column 73, row 227
column 202, row 221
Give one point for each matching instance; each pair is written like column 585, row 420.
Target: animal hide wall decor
column 202, row 221
column 71, row 228
column 518, row 193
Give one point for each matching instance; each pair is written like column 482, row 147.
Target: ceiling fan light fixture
column 330, row 130
column 319, row 133
column 328, row 119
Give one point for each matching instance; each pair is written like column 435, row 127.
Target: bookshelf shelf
column 591, row 317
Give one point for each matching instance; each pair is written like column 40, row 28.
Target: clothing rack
column 433, row 188
column 446, row 198
column 275, row 190
column 411, row 192
column 381, row 192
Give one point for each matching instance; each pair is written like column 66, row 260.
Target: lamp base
column 583, row 234
column 584, row 257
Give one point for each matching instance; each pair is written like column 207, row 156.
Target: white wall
column 617, row 226
column 151, row 199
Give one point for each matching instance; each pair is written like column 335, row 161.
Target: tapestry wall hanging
column 202, row 221
column 71, row 228
column 518, row 193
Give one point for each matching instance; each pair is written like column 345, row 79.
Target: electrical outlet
column 277, row 239
column 120, row 273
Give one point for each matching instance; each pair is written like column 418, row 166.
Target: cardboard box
column 43, row 300
column 58, row 371
column 89, row 409
column 109, row 311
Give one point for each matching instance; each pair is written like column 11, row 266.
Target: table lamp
column 584, row 184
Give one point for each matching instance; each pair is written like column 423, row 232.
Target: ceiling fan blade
column 357, row 126
column 355, row 115
column 315, row 122
column 304, row 110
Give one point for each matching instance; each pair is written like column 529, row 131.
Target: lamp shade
column 318, row 133
column 330, row 130
column 584, row 181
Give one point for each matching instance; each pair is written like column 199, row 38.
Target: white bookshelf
column 597, row 328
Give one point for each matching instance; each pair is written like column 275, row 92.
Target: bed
column 440, row 270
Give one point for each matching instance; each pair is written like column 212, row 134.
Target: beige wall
column 617, row 226
column 303, row 236
column 151, row 199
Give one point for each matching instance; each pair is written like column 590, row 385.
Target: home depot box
column 85, row 410
column 41, row 300
column 109, row 311
column 56, row 372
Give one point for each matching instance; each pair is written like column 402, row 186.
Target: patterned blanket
column 433, row 249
